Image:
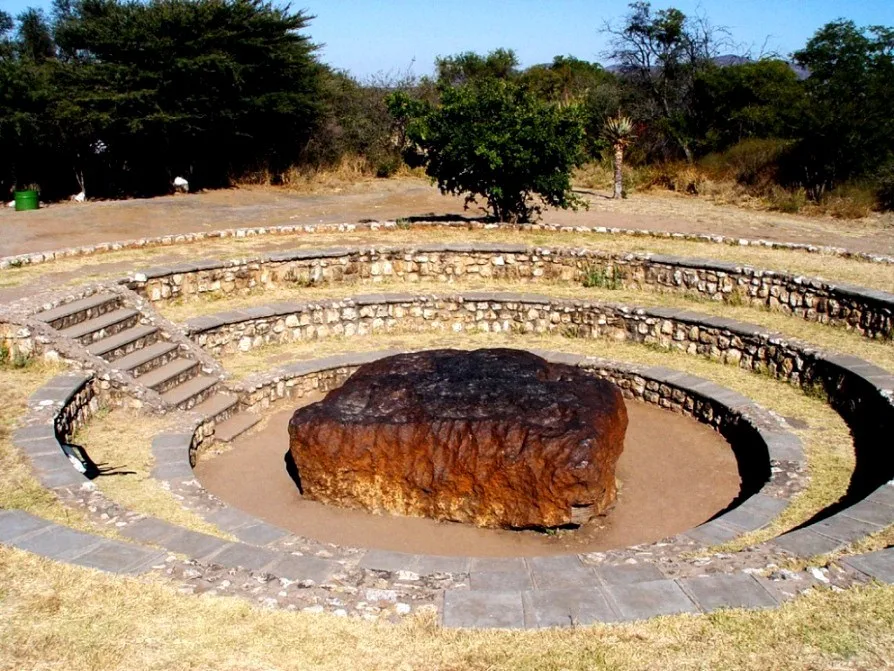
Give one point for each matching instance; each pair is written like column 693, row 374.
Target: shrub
column 753, row 162
column 884, row 190
column 782, row 200
column 602, row 278
column 849, row 201
column 493, row 139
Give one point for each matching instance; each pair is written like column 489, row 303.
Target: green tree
column 125, row 95
column 496, row 141
column 848, row 128
column 567, row 80
column 659, row 54
column 470, row 67
column 763, row 99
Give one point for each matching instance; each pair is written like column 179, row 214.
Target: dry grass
column 54, row 616
column 352, row 170
column 880, row 276
column 122, row 439
column 19, row 489
column 820, row 335
column 827, row 441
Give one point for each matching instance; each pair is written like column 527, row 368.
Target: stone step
column 124, row 342
column 169, row 376
column 78, row 311
column 217, row 407
column 141, row 361
column 110, row 323
column 235, row 426
column 192, row 392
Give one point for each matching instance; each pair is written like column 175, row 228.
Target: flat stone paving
column 504, row 593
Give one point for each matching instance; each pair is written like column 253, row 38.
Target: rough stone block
column 500, row 581
column 304, row 568
column 483, row 609
column 17, row 523
column 629, row 574
column 566, row 607
column 735, row 590
column 806, row 543
column 115, row 557
column 878, row 564
column 640, row 601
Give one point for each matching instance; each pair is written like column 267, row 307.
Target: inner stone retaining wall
column 869, row 311
column 771, row 461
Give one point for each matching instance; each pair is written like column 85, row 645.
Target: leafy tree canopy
column 135, row 93
column 848, row 127
column 495, row 140
column 763, row 99
column 660, row 53
column 470, row 67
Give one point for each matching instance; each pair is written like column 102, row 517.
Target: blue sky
column 367, row 37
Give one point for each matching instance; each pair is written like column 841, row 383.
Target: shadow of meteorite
column 292, row 470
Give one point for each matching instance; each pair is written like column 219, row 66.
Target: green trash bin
column 26, row 200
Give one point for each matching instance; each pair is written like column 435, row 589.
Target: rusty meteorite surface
column 493, row 437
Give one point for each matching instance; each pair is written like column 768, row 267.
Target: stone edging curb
column 34, row 258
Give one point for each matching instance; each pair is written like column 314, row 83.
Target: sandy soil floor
column 72, row 224
column 675, row 473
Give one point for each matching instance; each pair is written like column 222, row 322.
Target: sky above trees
column 366, row 37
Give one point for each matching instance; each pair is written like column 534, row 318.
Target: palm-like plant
column 618, row 131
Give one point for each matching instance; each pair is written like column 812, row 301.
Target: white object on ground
column 181, row 185
column 11, row 203
column 79, row 197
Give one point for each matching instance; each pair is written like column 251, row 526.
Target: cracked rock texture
column 492, row 437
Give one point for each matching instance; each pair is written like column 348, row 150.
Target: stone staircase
column 129, row 341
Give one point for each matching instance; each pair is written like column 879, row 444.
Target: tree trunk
column 619, row 162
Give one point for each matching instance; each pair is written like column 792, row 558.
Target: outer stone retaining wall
column 35, row 258
column 869, row 311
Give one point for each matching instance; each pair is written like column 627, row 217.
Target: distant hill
column 727, row 60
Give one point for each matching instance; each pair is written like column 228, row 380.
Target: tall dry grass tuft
column 350, row 170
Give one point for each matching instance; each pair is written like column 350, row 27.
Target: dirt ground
column 72, row 224
column 674, row 474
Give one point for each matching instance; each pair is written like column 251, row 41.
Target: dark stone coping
column 882, row 299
